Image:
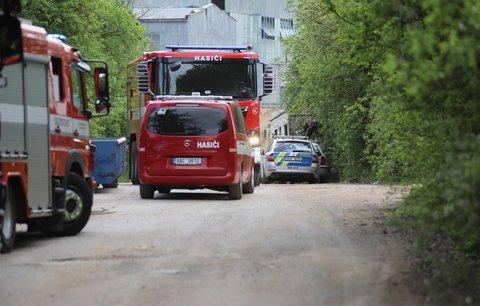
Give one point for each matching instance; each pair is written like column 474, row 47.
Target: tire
column 146, row 191
column 78, row 205
column 8, row 222
column 256, row 178
column 134, row 164
column 235, row 191
column 249, row 187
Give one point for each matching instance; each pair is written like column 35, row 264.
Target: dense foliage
column 101, row 29
column 395, row 88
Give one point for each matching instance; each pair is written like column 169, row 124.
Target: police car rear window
column 187, row 120
column 292, row 146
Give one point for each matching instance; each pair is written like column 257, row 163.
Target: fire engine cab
column 45, row 152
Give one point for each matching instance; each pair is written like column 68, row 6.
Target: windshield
column 292, row 146
column 236, row 79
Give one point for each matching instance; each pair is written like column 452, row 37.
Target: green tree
column 394, row 88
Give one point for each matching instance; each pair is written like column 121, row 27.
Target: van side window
column 57, row 78
column 239, row 121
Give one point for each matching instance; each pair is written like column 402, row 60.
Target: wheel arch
column 74, row 164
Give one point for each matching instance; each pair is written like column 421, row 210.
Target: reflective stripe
column 11, row 113
column 66, row 126
column 81, row 128
column 279, row 157
column 37, row 115
column 244, row 148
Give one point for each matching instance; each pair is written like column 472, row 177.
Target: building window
column 268, row 28
column 286, row 28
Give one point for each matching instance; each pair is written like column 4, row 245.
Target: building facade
column 203, row 25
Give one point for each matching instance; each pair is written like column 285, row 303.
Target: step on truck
column 45, row 151
column 233, row 71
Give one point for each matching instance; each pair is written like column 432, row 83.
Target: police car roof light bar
column 224, row 48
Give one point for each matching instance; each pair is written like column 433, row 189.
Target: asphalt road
column 289, row 244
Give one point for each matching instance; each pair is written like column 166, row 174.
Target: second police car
column 291, row 158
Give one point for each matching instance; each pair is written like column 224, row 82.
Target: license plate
column 293, row 158
column 187, row 161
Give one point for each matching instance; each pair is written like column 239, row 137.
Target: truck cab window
column 77, row 88
column 57, row 78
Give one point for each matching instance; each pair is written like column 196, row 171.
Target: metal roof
column 168, row 13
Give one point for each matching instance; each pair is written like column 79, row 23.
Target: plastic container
column 109, row 160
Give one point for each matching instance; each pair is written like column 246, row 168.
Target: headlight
column 254, row 141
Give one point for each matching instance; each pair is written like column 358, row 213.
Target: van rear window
column 187, row 120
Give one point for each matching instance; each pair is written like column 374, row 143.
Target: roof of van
column 193, row 99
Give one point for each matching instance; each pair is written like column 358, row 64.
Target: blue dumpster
column 109, row 160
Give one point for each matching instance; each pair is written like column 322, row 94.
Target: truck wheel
column 134, row 164
column 235, row 191
column 8, row 222
column 146, row 191
column 78, row 205
column 250, row 186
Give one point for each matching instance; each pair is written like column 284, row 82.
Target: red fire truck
column 45, row 151
column 198, row 71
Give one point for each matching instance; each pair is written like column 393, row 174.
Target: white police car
column 291, row 158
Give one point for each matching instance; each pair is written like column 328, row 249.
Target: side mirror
column 102, row 102
column 10, row 41
column 142, row 73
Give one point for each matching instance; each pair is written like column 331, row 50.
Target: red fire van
column 189, row 142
